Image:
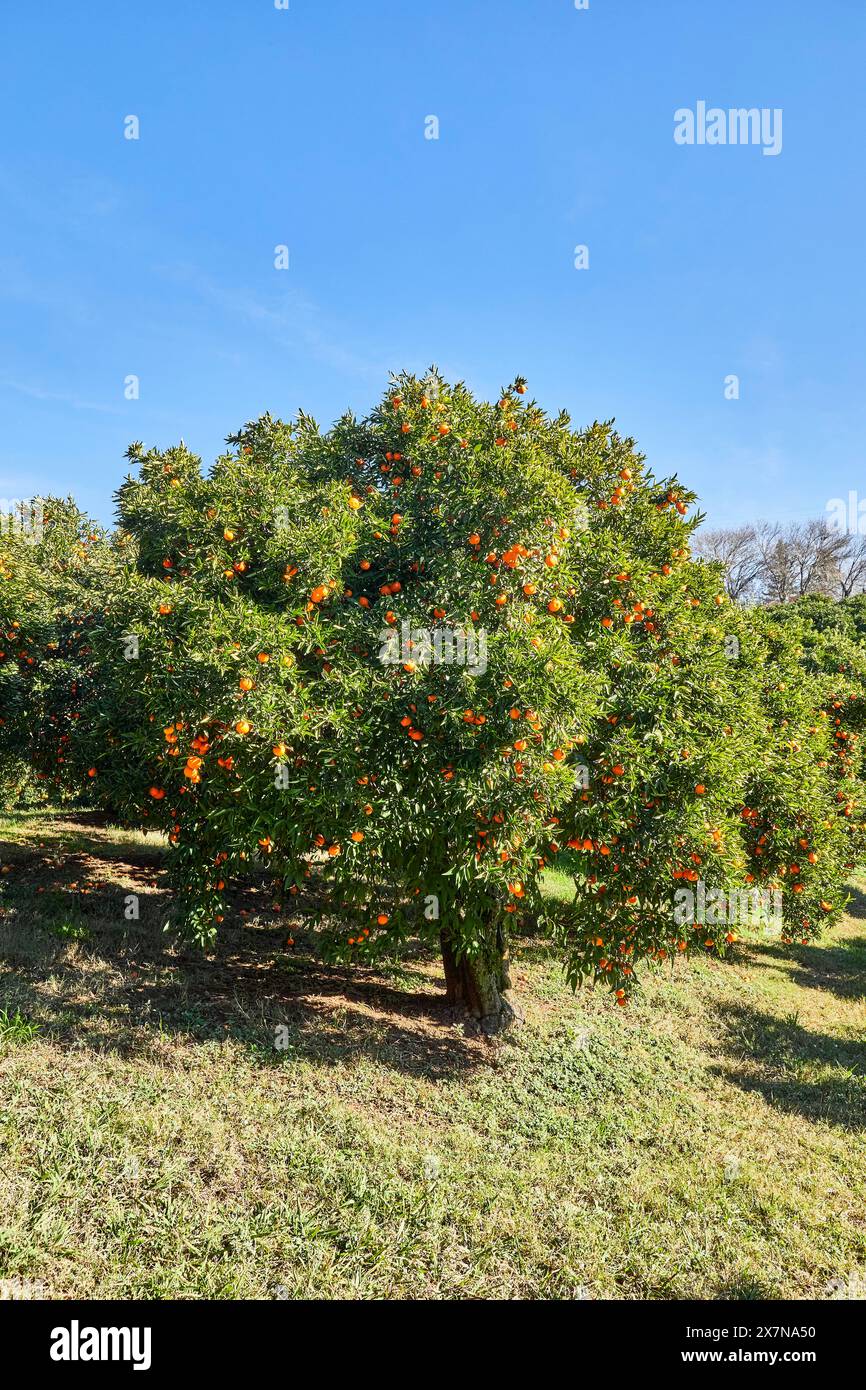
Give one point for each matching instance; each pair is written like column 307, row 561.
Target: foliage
column 52, row 584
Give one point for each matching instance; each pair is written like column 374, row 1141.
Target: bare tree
column 816, row 553
column 737, row 549
column 778, row 571
column 851, row 569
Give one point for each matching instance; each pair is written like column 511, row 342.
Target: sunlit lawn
column 707, row 1142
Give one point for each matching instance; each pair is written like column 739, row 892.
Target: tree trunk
column 479, row 987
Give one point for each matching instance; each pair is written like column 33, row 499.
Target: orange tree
column 419, row 656
column 53, row 579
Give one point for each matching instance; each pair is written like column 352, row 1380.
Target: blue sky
column 305, row 127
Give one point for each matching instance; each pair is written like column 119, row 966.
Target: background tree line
column 772, row 562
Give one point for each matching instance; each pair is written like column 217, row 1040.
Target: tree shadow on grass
column 816, row 1075
column 91, row 979
column 839, row 970
column 835, row 966
column 65, row 835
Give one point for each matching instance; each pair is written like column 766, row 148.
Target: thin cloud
column 68, row 398
column 293, row 321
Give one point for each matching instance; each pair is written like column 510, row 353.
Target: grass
column 707, row 1142
column 15, row 1029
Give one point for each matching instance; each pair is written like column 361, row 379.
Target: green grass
column 707, row 1142
column 14, row 1028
